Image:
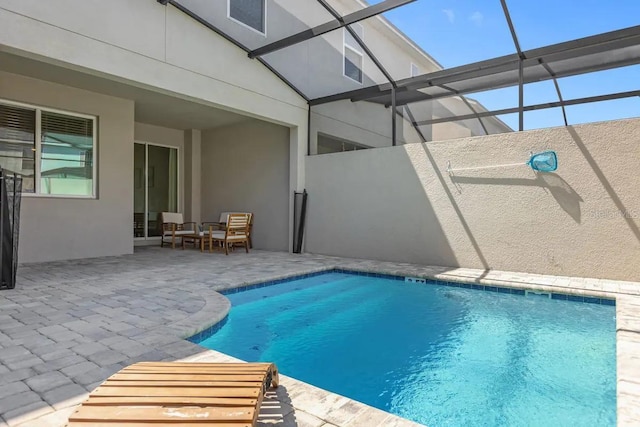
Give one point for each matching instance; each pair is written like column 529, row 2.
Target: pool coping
column 624, row 295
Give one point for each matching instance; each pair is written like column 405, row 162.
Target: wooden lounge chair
column 179, row 394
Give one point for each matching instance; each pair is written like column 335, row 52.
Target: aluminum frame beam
column 232, row 40
column 419, row 96
column 376, row 62
column 468, row 104
column 522, row 57
column 558, row 91
column 562, row 51
column 412, row 119
column 369, row 53
column 358, row 40
column 534, row 107
column 512, row 29
column 327, row 27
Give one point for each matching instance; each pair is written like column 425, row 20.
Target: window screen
column 353, row 64
column 329, row 144
column 353, row 54
column 249, row 12
column 66, row 155
column 17, row 143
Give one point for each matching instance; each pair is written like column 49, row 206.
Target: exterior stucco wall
column 364, row 123
column 65, row 228
column 245, row 168
column 148, row 45
column 158, row 48
column 401, row 204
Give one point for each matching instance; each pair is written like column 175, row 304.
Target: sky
column 458, row 32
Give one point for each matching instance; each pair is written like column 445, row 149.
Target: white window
column 53, row 151
column 415, row 71
column 251, row 13
column 353, row 54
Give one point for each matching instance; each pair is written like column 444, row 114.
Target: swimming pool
column 438, row 355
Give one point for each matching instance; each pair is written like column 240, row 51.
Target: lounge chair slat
column 187, row 371
column 176, row 383
column 200, row 368
column 173, row 400
column 157, row 414
column 187, row 377
column 203, row 364
column 156, row 424
column 178, row 394
column 178, row 391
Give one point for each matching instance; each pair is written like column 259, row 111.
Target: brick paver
column 69, row 325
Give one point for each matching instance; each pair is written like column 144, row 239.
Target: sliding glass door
column 155, row 187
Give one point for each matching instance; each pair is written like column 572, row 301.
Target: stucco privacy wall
column 245, row 167
column 400, row 203
column 67, row 228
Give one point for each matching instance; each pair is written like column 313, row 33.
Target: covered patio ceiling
column 151, row 107
column 283, row 51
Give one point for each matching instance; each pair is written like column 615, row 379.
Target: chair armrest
column 174, row 226
column 215, row 225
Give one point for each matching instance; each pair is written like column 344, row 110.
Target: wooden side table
column 194, row 239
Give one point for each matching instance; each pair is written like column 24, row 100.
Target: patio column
column 192, row 174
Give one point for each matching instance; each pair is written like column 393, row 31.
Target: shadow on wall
column 568, row 199
column 603, row 180
column 459, row 214
column 362, row 207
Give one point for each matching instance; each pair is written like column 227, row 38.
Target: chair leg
column 173, row 242
column 246, row 246
column 226, row 248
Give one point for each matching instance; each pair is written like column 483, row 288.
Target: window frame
column 145, row 183
column 37, row 173
column 346, row 46
column 237, row 21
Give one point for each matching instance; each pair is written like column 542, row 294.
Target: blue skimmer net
column 546, row 161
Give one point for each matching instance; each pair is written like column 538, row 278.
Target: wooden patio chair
column 221, row 223
column 236, row 232
column 173, row 227
column 180, row 394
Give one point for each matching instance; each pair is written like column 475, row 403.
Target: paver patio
column 69, row 325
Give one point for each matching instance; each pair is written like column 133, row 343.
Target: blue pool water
column 438, row 355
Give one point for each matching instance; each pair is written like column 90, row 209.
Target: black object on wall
column 299, row 216
column 10, row 197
